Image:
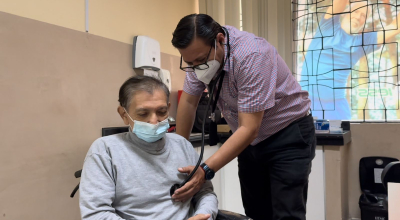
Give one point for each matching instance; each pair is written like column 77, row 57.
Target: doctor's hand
column 187, row 191
column 200, row 217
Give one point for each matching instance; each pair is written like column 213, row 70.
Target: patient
column 129, row 175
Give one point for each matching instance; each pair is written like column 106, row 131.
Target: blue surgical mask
column 149, row 132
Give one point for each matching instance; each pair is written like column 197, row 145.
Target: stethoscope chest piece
column 173, row 189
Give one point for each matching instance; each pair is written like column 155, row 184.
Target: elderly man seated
column 129, row 175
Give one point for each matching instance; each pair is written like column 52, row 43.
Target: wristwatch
column 209, row 173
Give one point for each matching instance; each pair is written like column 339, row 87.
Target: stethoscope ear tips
column 173, row 188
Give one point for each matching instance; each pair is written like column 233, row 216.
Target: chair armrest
column 78, row 174
column 227, row 215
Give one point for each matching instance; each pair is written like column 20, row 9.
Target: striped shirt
column 256, row 79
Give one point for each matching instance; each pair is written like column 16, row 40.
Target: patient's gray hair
column 139, row 83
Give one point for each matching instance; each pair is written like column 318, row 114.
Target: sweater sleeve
column 97, row 187
column 205, row 201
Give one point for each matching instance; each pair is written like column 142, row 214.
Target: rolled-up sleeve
column 192, row 85
column 256, row 82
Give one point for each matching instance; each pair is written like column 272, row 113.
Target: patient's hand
column 200, row 217
column 192, row 187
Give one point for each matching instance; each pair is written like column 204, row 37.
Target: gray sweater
column 125, row 177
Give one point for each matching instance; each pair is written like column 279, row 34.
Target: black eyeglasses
column 202, row 66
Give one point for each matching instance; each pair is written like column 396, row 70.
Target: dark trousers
column 274, row 173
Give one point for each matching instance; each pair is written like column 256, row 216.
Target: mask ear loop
column 215, row 46
column 131, row 128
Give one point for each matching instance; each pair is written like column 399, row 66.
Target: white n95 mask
column 149, row 132
column 206, row 75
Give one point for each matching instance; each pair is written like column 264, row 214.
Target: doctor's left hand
column 192, row 187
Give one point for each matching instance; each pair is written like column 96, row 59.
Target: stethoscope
column 219, row 79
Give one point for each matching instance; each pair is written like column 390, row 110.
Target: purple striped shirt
column 256, row 79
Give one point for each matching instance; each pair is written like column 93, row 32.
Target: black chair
column 391, row 174
column 374, row 195
column 222, row 214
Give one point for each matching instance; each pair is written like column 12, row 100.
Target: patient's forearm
column 205, row 201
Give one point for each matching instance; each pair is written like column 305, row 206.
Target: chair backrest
column 104, row 132
column 391, row 173
column 113, row 130
column 371, row 169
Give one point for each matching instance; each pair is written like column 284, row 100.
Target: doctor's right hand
column 188, row 190
column 200, row 217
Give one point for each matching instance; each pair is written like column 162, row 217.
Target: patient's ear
column 169, row 106
column 123, row 115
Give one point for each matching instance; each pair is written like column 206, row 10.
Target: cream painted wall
column 118, row 20
column 121, row 20
column 65, row 13
column 58, row 88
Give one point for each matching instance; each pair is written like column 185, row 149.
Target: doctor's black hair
column 196, row 25
column 140, row 83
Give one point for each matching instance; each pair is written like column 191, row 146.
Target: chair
column 391, row 174
column 222, row 214
column 374, row 195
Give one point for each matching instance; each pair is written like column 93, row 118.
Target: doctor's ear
column 220, row 38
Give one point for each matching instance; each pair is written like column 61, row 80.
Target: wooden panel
column 333, row 182
column 394, row 200
column 316, row 187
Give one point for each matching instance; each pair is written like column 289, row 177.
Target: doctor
column 273, row 132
